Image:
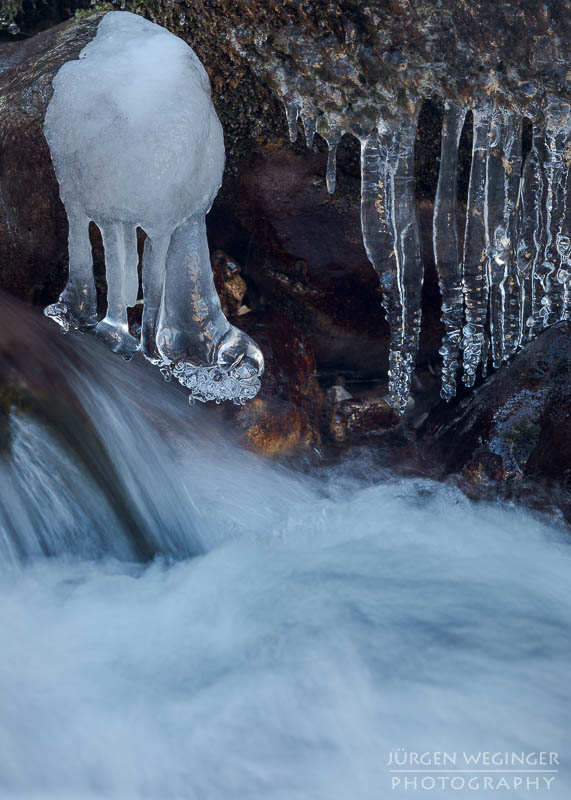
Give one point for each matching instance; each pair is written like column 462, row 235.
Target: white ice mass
column 136, row 142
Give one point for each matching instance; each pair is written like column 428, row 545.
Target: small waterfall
column 106, row 459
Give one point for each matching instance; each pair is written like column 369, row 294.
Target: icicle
column 502, row 193
column 309, row 127
column 332, row 137
column 564, row 274
column 446, row 250
column 475, row 278
column 530, row 228
column 558, row 130
column 292, row 113
column 390, row 234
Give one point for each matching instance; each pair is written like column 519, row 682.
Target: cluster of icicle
column 513, row 277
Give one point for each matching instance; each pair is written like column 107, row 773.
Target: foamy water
column 299, row 629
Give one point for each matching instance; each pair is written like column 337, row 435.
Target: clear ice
column 475, row 274
column 446, row 248
column 511, row 278
column 391, row 238
column 136, row 142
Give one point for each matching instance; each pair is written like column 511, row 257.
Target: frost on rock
column 136, row 142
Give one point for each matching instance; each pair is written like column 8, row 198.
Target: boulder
column 512, row 436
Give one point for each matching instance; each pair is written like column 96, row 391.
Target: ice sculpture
column 135, row 141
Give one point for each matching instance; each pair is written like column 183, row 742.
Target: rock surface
column 300, row 248
column 313, row 296
column 512, row 437
column 33, row 224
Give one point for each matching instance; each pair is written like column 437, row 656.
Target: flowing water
column 294, row 629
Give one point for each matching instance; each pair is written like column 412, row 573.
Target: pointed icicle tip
column 309, row 126
column 292, row 113
column 333, row 137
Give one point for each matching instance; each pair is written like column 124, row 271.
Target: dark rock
column 358, row 420
column 305, row 254
column 33, row 224
column 512, row 437
column 230, row 285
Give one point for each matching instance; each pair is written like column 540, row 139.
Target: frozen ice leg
column 446, row 249
column 120, row 243
column 77, row 305
column 154, row 270
column 215, row 360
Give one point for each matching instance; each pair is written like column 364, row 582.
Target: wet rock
column 351, row 59
column 285, row 416
column 305, row 254
column 512, row 438
column 33, row 224
column 230, row 284
column 354, row 421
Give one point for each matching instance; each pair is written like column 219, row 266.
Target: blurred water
column 297, row 629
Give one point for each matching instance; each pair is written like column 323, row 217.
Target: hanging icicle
column 292, row 114
column 531, row 202
column 332, row 137
column 446, row 250
column 475, row 277
column 390, row 233
column 309, row 120
column 513, row 276
column 557, row 137
column 502, row 193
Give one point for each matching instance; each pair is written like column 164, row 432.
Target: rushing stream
column 298, row 628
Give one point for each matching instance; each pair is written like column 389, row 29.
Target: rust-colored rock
column 230, row 284
column 286, row 414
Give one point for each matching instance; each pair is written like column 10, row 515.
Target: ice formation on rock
column 391, row 238
column 514, row 274
column 136, row 142
column 446, row 249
